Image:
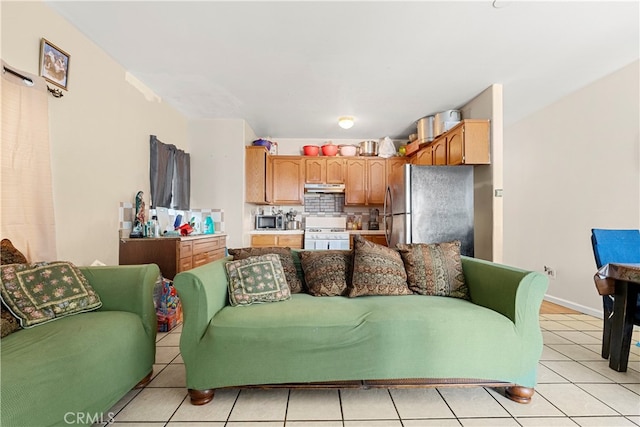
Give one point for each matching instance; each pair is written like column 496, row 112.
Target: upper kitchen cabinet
column 273, row 179
column 320, row 170
column 376, row 181
column 365, row 182
column 287, row 180
column 395, row 163
column 424, row 157
column 468, row 143
column 256, row 159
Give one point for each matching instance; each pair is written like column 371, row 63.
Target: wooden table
column 622, row 281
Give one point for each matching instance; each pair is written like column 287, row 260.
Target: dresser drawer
column 186, row 249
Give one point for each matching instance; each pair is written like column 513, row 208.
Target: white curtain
column 26, row 210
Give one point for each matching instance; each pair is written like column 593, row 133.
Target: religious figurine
column 139, row 222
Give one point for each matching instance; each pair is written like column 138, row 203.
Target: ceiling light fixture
column 346, row 122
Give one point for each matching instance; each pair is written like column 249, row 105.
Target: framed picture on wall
column 54, row 64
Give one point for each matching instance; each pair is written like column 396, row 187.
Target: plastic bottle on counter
column 209, row 226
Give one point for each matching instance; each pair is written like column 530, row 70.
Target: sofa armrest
column 127, row 288
column 203, row 291
column 513, row 292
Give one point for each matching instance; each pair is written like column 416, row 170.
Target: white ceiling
column 291, row 68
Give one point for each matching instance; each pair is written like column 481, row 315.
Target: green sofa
column 494, row 339
column 73, row 369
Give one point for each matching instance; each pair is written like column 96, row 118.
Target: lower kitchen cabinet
column 173, row 254
column 294, row 241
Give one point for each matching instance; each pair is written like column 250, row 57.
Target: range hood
column 324, row 188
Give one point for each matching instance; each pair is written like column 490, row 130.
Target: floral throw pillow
column 377, row 270
column 327, row 273
column 41, row 292
column 257, row 279
column 286, row 259
column 435, row 269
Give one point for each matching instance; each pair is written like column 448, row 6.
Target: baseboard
column 572, row 305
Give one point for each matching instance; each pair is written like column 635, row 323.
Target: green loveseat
column 494, row 339
column 72, row 370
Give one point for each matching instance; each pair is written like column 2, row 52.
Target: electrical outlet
column 551, row 272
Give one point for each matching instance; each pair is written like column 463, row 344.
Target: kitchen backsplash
column 323, row 203
column 167, row 217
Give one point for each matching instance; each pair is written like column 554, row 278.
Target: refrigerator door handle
column 388, row 224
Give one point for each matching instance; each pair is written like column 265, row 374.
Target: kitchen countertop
column 381, row 232
column 366, row 232
column 276, row 231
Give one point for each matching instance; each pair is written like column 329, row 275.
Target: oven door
column 340, row 244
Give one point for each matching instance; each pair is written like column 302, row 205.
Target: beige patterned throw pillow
column 327, row 273
column 435, row 269
column 377, row 270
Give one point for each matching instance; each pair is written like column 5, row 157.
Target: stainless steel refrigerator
column 430, row 204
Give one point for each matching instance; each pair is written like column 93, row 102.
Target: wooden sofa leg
column 520, row 394
column 200, row 397
column 143, row 382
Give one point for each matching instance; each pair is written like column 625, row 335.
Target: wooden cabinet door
column 263, row 240
column 424, row 157
column 315, row 171
column 256, row 174
column 287, row 187
column 277, row 240
column 394, row 164
column 455, row 146
column 355, row 182
column 335, row 171
column 376, row 181
column 439, row 151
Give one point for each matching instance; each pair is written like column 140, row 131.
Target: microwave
column 269, row 222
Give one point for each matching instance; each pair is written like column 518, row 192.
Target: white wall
column 217, row 172
column 99, row 132
column 488, row 218
column 571, row 167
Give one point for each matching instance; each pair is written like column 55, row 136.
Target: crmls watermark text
column 87, row 418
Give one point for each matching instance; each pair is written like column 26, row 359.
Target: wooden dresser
column 173, row 254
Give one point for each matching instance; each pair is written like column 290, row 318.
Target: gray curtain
column 182, row 180
column 161, row 173
column 170, row 176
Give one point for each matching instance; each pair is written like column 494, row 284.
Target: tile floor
column 575, row 387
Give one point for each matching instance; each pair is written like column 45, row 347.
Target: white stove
column 326, row 232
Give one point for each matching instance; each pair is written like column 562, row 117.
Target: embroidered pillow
column 41, row 292
column 435, row 269
column 257, row 279
column 327, row 273
column 377, row 270
column 286, row 259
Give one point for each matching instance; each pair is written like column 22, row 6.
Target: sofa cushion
column 257, row 279
column 77, row 364
column 377, row 270
column 327, row 273
column 286, row 259
column 9, row 253
column 434, row 269
column 37, row 293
